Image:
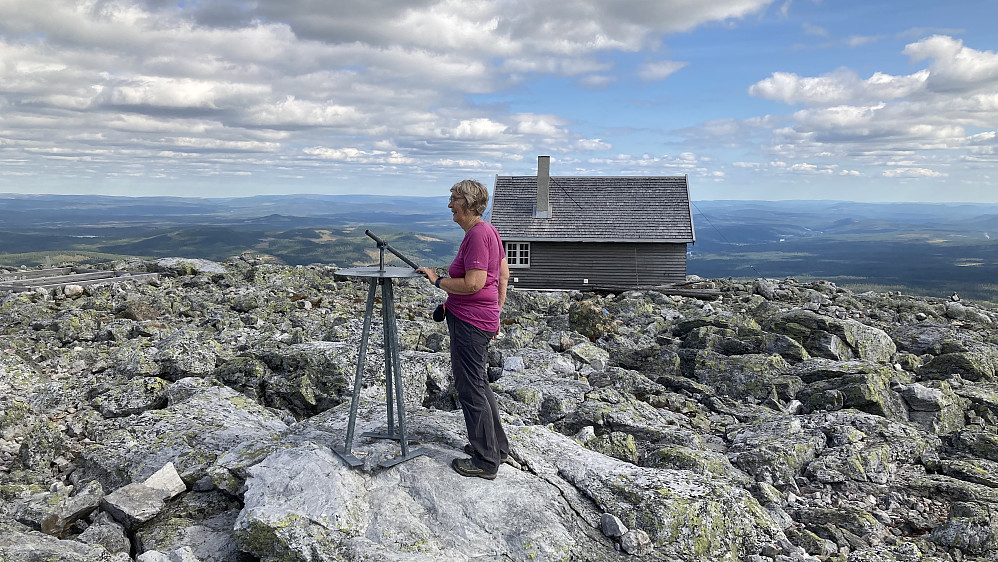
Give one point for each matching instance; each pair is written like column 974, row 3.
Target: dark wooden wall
column 564, row 265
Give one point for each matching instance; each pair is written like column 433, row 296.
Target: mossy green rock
column 863, row 447
column 972, row 527
column 775, row 451
column 689, row 517
column 834, row 338
column 134, row 397
column 698, row 461
column 615, row 444
column 862, row 385
column 591, row 319
column 971, row 365
column 979, row 443
column 739, row 375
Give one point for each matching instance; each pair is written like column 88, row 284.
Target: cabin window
column 518, row 254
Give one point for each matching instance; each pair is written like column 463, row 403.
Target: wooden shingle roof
column 595, row 209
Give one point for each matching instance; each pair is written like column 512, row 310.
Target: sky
column 861, row 100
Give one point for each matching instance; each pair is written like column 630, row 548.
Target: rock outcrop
column 196, row 417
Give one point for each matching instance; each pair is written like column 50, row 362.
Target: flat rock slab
column 134, row 504
column 168, row 480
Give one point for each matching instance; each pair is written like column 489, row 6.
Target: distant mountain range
column 923, row 248
column 933, row 249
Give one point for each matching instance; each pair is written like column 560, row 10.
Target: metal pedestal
column 384, row 277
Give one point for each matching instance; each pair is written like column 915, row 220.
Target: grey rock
column 108, row 533
column 39, row 547
column 200, row 522
column 698, row 461
column 72, row 291
column 977, row 471
column 636, row 542
column 168, row 480
column 135, row 397
column 978, row 364
column 979, row 443
column 765, row 288
column 612, row 526
column 740, row 375
column 777, row 418
column 862, row 385
column 970, row 527
column 188, row 266
column 935, row 407
column 278, row 520
column 775, row 451
column 187, row 353
column 201, row 423
column 833, row 338
column 591, row 355
column 54, row 512
column 184, row 554
column 654, row 500
column 139, row 311
column 134, row 504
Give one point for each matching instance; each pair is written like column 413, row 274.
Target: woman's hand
column 430, row 274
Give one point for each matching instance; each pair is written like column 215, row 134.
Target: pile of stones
column 195, row 417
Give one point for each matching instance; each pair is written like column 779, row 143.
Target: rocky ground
column 194, row 418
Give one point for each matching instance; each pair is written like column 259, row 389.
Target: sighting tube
column 388, row 247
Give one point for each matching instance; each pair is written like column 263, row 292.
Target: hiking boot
column 465, row 467
column 470, row 451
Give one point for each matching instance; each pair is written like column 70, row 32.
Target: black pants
column 469, row 348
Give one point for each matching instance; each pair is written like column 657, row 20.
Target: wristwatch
column 437, row 282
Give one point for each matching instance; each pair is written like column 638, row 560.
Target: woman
column 476, row 291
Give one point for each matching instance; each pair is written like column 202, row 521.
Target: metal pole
column 396, row 367
column 386, row 296
column 361, row 356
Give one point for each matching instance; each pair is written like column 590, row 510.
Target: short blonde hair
column 475, row 195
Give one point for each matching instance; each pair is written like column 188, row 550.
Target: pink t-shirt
column 480, row 249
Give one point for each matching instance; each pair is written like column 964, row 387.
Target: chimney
column 543, row 208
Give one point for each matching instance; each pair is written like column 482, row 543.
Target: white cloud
column 954, row 66
column 812, row 29
column 860, row 40
column 840, row 87
column 659, row 70
column 547, row 126
column 913, row 173
column 593, row 144
column 298, row 88
column 596, row 81
column 942, row 111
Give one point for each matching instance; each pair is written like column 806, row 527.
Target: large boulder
column 862, row 447
column 775, row 451
column 971, row 527
column 935, row 407
column 979, row 364
column 200, row 423
column 862, row 385
column 755, row 375
column 834, row 338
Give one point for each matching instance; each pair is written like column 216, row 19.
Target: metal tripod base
column 389, row 435
column 401, row 458
column 394, row 399
column 348, row 457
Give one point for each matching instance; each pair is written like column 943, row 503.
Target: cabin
column 593, row 233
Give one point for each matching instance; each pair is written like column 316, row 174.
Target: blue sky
column 753, row 99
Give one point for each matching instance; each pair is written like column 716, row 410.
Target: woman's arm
column 471, row 283
column 503, row 280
